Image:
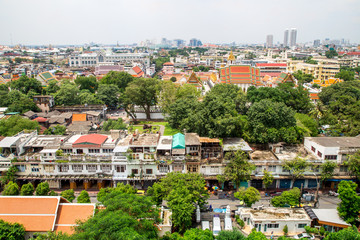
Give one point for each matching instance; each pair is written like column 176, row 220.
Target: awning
column 8, row 142
column 178, row 152
column 121, row 149
column 48, row 151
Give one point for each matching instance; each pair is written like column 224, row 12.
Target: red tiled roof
column 350, row 53
column 91, row 139
column 271, row 65
column 138, row 71
column 40, row 119
column 168, row 64
column 271, row 74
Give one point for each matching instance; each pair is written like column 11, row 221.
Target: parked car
column 304, row 235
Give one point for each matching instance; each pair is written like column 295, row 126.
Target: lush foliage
column 27, row 190
column 249, row 195
column 83, row 197
column 114, row 124
column 57, row 130
column 42, row 189
column 120, row 188
column 11, row 189
column 89, row 83
column 68, row 195
column 9, row 175
column 327, row 169
column 230, row 235
column 350, row 233
column 16, row 124
column 193, row 233
column 290, row 198
column 11, row 231
column 296, row 167
column 268, row 178
column 353, row 164
column 349, row 206
column 120, row 79
column 239, row 168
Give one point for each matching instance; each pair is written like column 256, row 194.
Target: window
column 330, row 157
column 106, row 168
column 21, row 168
column 91, row 168
column 120, row 168
column 343, row 168
column 319, row 154
column 272, row 168
column 67, row 150
column 49, row 168
column 285, row 170
column 163, row 168
column 63, row 168
column 273, row 225
column 192, row 168
column 107, row 150
column 302, row 225
column 135, row 171
column 313, row 149
column 214, row 169
column 149, row 171
column 77, row 168
column 94, row 150
column 177, row 168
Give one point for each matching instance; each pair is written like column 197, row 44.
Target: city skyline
column 67, row 22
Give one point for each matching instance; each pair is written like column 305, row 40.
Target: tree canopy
column 42, row 189
column 68, row 195
column 11, row 231
column 249, row 195
column 83, row 197
column 120, row 79
column 239, row 168
column 349, row 206
column 11, row 189
column 27, row 190
column 16, row 124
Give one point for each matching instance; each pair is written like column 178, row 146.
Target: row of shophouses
column 95, row 160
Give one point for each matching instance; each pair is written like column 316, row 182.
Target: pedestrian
column 272, row 235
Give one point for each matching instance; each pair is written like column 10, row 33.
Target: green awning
column 178, row 141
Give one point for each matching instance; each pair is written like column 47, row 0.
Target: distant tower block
column 286, row 38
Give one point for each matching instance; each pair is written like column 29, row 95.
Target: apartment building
column 321, row 71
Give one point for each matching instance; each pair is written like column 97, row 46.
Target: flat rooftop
column 262, row 156
column 276, row 213
column 336, row 141
column 289, row 152
column 145, row 140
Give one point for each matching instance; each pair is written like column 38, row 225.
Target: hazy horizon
column 66, row 22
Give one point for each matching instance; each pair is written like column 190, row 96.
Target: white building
column 273, row 220
column 92, row 59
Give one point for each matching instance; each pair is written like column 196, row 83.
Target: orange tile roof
column 79, row 117
column 209, row 140
column 91, row 139
column 69, row 213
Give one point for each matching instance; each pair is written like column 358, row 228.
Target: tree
column 345, row 75
column 239, row 168
column 120, row 188
column 114, row 124
column 296, row 167
column 83, row 197
column 67, row 95
column 11, row 231
column 303, row 77
column 327, row 170
column 68, row 195
column 52, row 87
column 42, row 189
column 249, row 195
column 57, row 130
column 180, row 111
column 268, row 179
column 286, row 230
column 350, row 233
column 52, row 236
column 27, row 190
column 173, row 79
column 89, row 83
column 143, row 92
column 19, row 102
column 9, row 176
column 290, row 198
column 187, row 90
column 167, row 95
column 11, row 189
column 86, row 97
column 221, row 180
column 331, row 53
column 126, row 216
column 308, row 123
column 120, row 79
column 109, row 94
column 353, row 164
column 349, row 206
column 254, row 235
column 24, row 84
column 16, row 124
column 198, row 234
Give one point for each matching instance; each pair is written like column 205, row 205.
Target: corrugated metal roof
column 178, row 141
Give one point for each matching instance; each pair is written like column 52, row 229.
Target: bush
column 83, row 197
column 27, row 190
column 42, row 189
column 286, row 230
column 68, row 195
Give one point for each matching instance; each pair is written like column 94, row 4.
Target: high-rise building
column 179, row 42
column 286, row 38
column 269, row 41
column 317, row 43
column 293, row 34
column 195, row 42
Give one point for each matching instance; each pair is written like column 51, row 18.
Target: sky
column 35, row 22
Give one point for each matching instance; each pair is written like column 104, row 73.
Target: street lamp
column 317, row 192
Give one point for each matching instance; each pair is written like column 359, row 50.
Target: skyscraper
column 286, row 38
column 293, row 37
column 269, row 41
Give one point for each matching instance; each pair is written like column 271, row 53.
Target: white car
column 304, row 235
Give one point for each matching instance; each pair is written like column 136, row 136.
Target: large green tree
column 249, row 195
column 24, row 84
column 11, row 189
column 350, row 233
column 86, row 97
column 143, row 92
column 230, row 235
column 353, row 164
column 67, row 95
column 290, row 197
column 296, row 167
column 89, row 83
column 109, row 94
column 349, row 206
column 16, row 124
column 27, row 190
column 11, row 231
column 327, row 169
column 238, row 168
column 120, row 79
column 68, row 195
column 268, row 179
column 126, row 216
